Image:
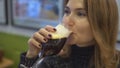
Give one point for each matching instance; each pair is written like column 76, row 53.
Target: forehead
column 75, row 3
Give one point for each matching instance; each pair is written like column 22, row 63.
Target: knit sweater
column 79, row 58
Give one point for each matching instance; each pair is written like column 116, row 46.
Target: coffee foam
column 62, row 32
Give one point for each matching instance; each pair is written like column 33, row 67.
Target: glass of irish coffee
column 56, row 43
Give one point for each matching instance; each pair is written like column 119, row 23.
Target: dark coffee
column 53, row 46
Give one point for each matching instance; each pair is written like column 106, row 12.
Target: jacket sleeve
column 27, row 62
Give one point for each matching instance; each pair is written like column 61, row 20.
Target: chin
column 71, row 39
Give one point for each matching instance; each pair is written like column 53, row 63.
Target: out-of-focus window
column 3, row 12
column 36, row 13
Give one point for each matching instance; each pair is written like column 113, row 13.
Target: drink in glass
column 56, row 43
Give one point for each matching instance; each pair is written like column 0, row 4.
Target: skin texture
column 75, row 19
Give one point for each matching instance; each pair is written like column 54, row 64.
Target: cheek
column 64, row 20
column 83, row 30
column 68, row 22
column 86, row 34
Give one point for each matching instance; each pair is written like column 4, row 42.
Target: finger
column 45, row 33
column 61, row 52
column 39, row 38
column 33, row 42
column 50, row 28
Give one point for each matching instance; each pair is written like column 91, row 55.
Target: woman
column 94, row 26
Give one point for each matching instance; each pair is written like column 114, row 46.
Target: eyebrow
column 66, row 7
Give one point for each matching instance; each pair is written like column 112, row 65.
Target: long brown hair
column 103, row 18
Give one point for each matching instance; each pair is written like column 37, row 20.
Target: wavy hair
column 103, row 18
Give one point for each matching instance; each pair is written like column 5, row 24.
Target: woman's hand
column 39, row 37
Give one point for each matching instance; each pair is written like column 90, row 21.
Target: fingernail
column 50, row 35
column 40, row 45
column 45, row 39
column 54, row 29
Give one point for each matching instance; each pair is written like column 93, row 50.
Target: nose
column 68, row 20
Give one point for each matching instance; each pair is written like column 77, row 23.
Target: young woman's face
column 75, row 18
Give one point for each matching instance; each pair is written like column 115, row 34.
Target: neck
column 87, row 44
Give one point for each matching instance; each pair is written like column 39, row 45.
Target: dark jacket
column 79, row 58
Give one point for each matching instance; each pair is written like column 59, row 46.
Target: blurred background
column 19, row 19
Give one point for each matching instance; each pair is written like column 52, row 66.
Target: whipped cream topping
column 62, row 32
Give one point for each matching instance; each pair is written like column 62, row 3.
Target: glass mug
column 55, row 44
